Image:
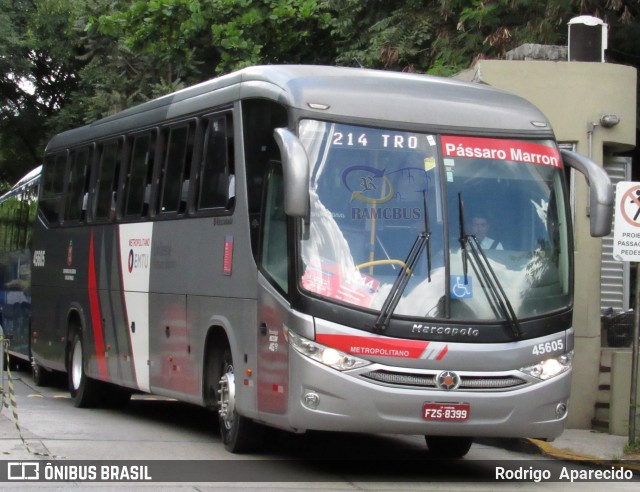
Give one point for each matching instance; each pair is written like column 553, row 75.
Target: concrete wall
column 573, row 95
column 621, row 393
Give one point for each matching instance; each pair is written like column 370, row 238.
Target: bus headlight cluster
column 328, row 356
column 551, row 367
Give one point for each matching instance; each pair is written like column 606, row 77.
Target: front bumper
column 347, row 401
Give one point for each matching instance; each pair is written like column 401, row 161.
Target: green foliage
column 632, row 448
column 250, row 32
column 64, row 63
column 16, row 217
column 143, row 49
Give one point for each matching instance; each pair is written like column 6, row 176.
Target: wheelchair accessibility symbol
column 459, row 289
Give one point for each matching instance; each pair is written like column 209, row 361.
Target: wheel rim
column 76, row 365
column 227, row 399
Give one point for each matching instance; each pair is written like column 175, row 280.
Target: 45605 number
column 548, row 347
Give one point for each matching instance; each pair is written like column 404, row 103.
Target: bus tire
column 84, row 390
column 41, row 377
column 449, row 446
column 238, row 433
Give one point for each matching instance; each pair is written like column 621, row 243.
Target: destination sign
column 500, row 149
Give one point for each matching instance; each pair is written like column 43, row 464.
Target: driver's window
column 273, row 250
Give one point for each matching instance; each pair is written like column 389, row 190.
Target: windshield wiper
column 427, row 230
column 487, row 273
column 404, row 275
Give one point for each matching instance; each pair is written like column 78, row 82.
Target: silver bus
column 317, row 248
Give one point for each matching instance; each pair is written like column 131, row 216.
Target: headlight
column 550, row 368
column 328, row 356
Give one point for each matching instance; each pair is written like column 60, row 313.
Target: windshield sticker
column 326, row 280
column 378, row 188
column 499, row 149
column 461, row 287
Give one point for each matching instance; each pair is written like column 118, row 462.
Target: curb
column 547, row 449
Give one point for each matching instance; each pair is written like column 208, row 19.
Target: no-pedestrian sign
column 626, row 227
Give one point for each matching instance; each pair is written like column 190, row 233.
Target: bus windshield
column 488, row 216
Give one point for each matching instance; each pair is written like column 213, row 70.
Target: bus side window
column 53, row 185
column 32, row 200
column 176, row 167
column 75, row 202
column 259, row 118
column 273, row 246
column 216, row 186
column 6, row 223
column 108, row 171
column 138, row 183
column 10, row 224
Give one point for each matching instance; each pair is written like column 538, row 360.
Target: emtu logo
column 137, row 260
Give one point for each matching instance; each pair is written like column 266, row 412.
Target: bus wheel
column 84, row 390
column 41, row 377
column 239, row 434
column 449, row 446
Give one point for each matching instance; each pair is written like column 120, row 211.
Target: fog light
column 311, row 400
column 561, row 410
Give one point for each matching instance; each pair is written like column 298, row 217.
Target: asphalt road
column 187, row 440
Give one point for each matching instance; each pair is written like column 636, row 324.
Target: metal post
column 633, row 404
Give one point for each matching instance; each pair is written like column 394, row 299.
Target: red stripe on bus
column 96, row 318
column 443, row 353
column 374, row 346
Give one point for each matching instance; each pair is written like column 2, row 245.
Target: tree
column 64, row 63
column 385, row 34
column 143, row 49
column 17, row 151
column 445, row 36
column 39, row 72
column 251, row 32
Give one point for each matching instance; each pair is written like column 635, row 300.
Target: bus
column 17, row 215
column 293, row 247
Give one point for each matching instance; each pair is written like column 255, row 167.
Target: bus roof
column 398, row 99
column 29, row 178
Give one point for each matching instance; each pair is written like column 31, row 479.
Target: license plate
column 447, row 412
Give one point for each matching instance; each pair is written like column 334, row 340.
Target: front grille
column 468, row 382
column 491, row 382
column 425, row 381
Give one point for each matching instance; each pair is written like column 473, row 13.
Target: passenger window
column 259, row 118
column 107, row 181
column 77, row 187
column 138, row 185
column 53, row 183
column 273, row 251
column 216, row 178
column 176, row 169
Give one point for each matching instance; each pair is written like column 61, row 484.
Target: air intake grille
column 468, row 382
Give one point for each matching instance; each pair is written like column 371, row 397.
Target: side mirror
column 601, row 191
column 295, row 170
